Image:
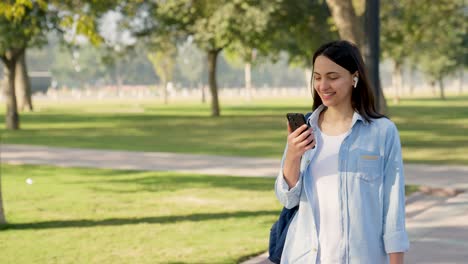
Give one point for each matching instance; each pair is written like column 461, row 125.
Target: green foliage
column 299, row 28
column 428, row 33
column 90, row 66
column 22, row 23
column 189, row 62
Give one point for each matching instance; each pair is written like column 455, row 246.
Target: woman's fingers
column 308, row 140
column 289, row 128
column 305, row 135
column 293, row 135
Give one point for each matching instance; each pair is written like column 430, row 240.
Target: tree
column 189, row 66
column 236, row 55
column 163, row 60
column 23, row 84
column 439, row 54
column 25, row 23
column 299, row 28
column 349, row 24
column 363, row 30
column 213, row 24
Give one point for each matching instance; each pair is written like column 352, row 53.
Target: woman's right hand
column 299, row 141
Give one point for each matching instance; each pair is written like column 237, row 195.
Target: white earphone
column 355, row 79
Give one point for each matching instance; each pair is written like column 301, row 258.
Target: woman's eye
column 333, row 78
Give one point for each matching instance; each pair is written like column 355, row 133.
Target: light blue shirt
column 371, row 191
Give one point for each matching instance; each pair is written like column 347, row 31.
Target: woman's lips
column 327, row 95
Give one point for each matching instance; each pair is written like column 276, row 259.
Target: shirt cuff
column 396, row 242
column 284, row 185
column 288, row 197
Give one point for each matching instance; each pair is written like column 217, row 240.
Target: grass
column 432, row 131
column 76, row 215
column 103, row 216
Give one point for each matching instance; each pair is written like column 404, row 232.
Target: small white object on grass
column 29, row 181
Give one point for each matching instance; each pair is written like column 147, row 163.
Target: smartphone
column 295, row 120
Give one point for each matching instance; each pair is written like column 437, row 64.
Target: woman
column 345, row 172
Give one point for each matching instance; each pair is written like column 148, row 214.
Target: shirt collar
column 313, row 119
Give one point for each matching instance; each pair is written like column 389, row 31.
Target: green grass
column 432, row 131
column 103, row 216
column 76, row 215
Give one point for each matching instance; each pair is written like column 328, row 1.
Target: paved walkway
column 428, row 175
column 438, row 226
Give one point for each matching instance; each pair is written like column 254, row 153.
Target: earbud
column 355, row 79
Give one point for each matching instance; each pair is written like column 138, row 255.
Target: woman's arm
column 396, row 258
column 394, row 231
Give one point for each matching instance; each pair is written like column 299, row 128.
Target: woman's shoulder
column 383, row 122
column 384, row 130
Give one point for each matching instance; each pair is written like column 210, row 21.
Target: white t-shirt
column 324, row 170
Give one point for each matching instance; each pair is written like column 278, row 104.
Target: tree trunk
column 348, row 24
column 11, row 117
column 372, row 25
column 23, row 84
column 433, row 87
column 248, row 81
column 308, row 77
column 460, row 84
column 165, row 93
column 397, row 81
column 212, row 57
column 441, row 86
column 351, row 27
column 202, row 89
column 411, row 80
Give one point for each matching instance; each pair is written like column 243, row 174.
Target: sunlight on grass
column 429, row 128
column 105, row 216
column 76, row 215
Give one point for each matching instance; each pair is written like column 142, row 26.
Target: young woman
column 345, row 171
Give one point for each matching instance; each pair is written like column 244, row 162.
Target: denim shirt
column 371, row 195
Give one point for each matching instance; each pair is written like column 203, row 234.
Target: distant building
column 40, row 81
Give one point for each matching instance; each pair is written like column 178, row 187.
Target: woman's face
column 333, row 83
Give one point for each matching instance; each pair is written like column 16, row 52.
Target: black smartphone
column 295, row 120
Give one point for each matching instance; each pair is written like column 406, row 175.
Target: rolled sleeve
column 395, row 236
column 286, row 196
column 396, row 242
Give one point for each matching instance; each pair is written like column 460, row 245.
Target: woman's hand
column 299, row 141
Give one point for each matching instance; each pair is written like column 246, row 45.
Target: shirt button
column 314, row 249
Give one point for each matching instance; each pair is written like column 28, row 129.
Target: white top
column 324, row 170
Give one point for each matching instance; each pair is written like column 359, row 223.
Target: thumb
column 289, row 128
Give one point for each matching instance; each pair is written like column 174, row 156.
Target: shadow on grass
column 134, row 221
column 171, row 183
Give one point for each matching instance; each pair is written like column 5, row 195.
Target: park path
column 428, row 175
column 437, row 223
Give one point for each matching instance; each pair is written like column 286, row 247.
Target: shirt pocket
column 369, row 165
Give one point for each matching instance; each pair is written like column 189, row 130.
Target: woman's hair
column 347, row 55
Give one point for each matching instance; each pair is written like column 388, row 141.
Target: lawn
column 76, row 215
column 432, row 131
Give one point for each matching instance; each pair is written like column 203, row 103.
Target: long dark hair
column 347, row 55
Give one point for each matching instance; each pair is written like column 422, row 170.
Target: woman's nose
column 321, row 84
